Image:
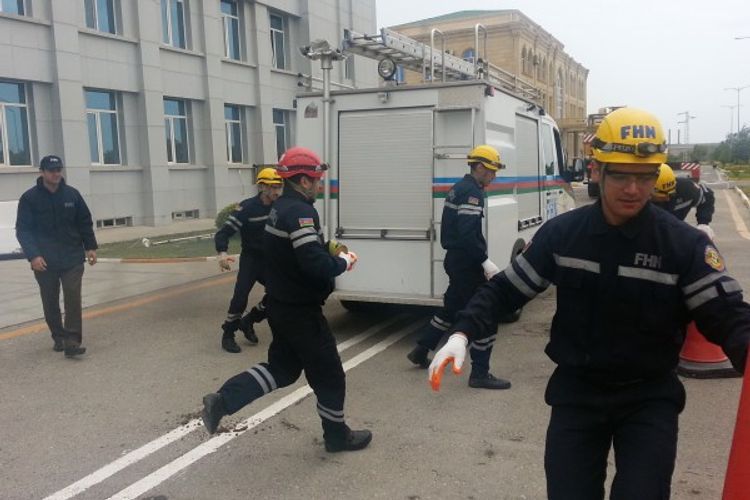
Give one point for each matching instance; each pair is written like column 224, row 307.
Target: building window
column 13, row 7
column 14, row 125
column 231, row 20
column 233, row 126
column 278, row 41
column 349, row 68
column 176, row 129
column 468, row 55
column 559, row 107
column 173, row 22
column 101, row 115
column 283, row 133
column 100, row 15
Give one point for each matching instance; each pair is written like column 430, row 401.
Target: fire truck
column 395, row 150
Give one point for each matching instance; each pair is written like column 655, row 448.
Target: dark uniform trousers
column 638, row 419
column 250, row 272
column 301, row 341
column 464, row 278
column 70, row 333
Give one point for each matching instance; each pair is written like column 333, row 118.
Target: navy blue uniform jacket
column 250, row 220
column 56, row 226
column 624, row 294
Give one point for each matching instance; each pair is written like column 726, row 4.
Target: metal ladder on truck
column 437, row 65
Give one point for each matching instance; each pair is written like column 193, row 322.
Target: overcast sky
column 666, row 56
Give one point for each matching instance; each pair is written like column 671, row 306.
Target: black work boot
column 213, row 411
column 59, row 346
column 246, row 325
column 229, row 344
column 351, row 441
column 488, row 381
column 418, row 356
column 73, row 351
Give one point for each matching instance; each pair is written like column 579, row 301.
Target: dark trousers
column 639, row 420
column 250, row 272
column 71, row 332
column 464, row 279
column 301, row 341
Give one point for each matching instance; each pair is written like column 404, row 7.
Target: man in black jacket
column 677, row 195
column 250, row 220
column 629, row 277
column 54, row 228
column 299, row 278
column 466, row 264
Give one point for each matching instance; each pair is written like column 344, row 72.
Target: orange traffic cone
column 702, row 359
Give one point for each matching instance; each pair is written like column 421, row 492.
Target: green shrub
column 222, row 216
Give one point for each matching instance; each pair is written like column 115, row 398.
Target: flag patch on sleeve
column 473, row 201
column 306, row 222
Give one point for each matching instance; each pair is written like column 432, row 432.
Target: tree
column 735, row 148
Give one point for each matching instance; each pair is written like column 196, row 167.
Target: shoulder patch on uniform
column 306, row 222
column 713, row 258
column 474, row 201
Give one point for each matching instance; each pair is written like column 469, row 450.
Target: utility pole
column 731, row 115
column 738, row 90
column 686, row 121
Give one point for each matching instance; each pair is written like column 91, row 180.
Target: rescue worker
column 250, row 220
column 677, row 195
column 298, row 281
column 466, row 264
column 629, row 277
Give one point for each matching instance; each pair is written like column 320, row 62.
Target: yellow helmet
column 268, row 176
column 630, row 135
column 666, row 184
column 486, row 155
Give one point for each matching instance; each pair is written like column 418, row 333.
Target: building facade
column 159, row 108
column 519, row 46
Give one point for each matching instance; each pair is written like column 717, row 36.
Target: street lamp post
column 738, row 90
column 731, row 115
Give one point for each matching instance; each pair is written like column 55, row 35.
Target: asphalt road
column 120, row 421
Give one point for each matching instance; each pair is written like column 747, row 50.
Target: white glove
column 707, row 229
column 490, row 269
column 453, row 350
column 224, row 261
column 350, row 258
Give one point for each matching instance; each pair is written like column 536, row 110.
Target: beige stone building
column 519, row 46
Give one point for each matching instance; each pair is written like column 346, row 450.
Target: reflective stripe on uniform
column 302, row 232
column 310, row 238
column 276, row 232
column 683, row 205
column 329, row 414
column 709, row 278
column 530, row 272
column 257, row 219
column 701, row 298
column 573, row 263
column 484, row 344
column 518, row 282
column 263, row 377
column 731, row 286
column 440, row 324
column 235, row 220
column 465, row 211
column 648, row 275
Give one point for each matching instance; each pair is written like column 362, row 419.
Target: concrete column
column 151, row 109
column 69, row 107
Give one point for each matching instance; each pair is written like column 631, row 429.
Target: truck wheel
column 518, row 247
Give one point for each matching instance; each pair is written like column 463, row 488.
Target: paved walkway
column 105, row 281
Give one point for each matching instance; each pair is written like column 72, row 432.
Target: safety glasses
column 642, row 149
column 620, row 179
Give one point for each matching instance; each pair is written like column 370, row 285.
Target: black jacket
column 300, row 269
column 56, row 226
column 250, row 220
column 461, row 223
column 689, row 194
column 624, row 294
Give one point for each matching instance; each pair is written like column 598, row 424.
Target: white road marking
column 159, row 476
column 739, row 223
column 144, row 451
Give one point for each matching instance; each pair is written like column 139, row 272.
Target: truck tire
column 593, row 189
column 518, row 247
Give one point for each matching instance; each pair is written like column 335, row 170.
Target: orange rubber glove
column 453, row 351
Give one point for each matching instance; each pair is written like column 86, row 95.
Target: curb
column 165, row 260
column 745, row 200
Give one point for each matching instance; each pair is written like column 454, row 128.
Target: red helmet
column 299, row 160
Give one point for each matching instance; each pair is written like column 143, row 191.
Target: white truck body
column 395, row 153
